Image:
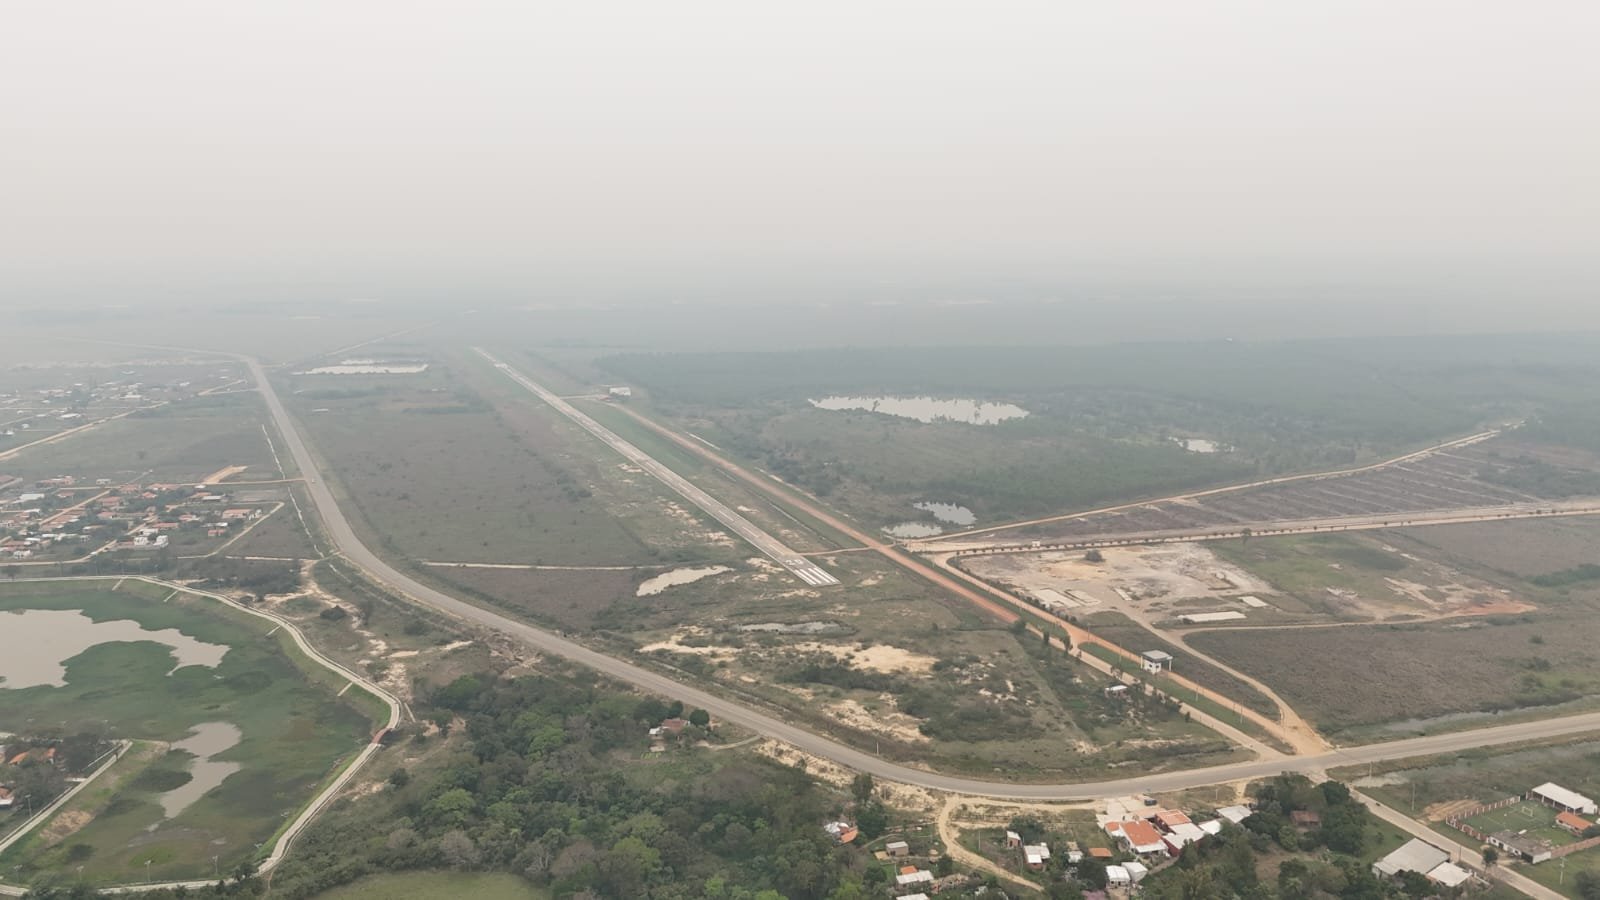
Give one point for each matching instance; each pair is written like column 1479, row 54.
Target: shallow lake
column 38, row 643
column 652, row 586
column 928, row 409
column 952, row 513
column 208, row 740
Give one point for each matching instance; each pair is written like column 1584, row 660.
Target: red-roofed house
column 1573, row 822
column 1139, row 836
column 1167, row 819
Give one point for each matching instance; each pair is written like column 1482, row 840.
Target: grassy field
column 1344, row 678
column 438, row 472
column 568, row 599
column 184, row 442
column 293, row 732
column 1522, row 548
column 437, row 886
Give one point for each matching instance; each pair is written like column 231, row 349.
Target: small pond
column 38, row 643
column 652, row 586
column 209, row 740
column 951, row 513
column 928, row 409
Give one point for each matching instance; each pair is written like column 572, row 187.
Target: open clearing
column 437, row 886
column 1146, row 583
column 273, row 713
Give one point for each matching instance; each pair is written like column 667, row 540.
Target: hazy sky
column 598, row 145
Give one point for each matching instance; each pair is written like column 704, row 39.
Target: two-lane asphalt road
column 344, row 538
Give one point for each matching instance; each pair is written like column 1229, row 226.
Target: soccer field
column 1536, row 819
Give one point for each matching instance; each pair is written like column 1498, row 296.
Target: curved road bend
column 344, row 537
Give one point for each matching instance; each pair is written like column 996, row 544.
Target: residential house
column 897, row 848
column 1138, row 836
column 914, row 877
column 1520, row 845
column 1167, row 819
column 1118, row 876
column 1034, row 856
column 1573, row 822
column 1013, row 840
column 1136, row 870
column 7, row 798
column 841, row 832
column 1181, row 836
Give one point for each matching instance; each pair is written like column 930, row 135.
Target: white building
column 1449, row 875
column 1235, row 814
column 1155, row 661
column 1551, row 794
column 1415, row 855
column 920, row 876
column 1136, row 870
column 1118, row 876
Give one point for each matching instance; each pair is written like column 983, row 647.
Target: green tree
column 862, row 787
column 700, row 718
column 872, row 819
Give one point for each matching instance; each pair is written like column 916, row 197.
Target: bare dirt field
column 1147, row 583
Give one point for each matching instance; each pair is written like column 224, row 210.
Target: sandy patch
column 903, row 796
column 1142, row 579
column 1438, row 812
column 65, row 824
column 877, row 658
column 893, row 724
column 675, row 644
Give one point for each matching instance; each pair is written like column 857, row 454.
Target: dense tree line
column 550, row 785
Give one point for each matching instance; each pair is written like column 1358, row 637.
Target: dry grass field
column 1345, row 677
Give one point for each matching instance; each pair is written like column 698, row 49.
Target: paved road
column 802, row 568
column 343, row 537
column 1585, row 506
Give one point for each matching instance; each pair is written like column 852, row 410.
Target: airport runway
column 802, row 568
column 729, row 710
